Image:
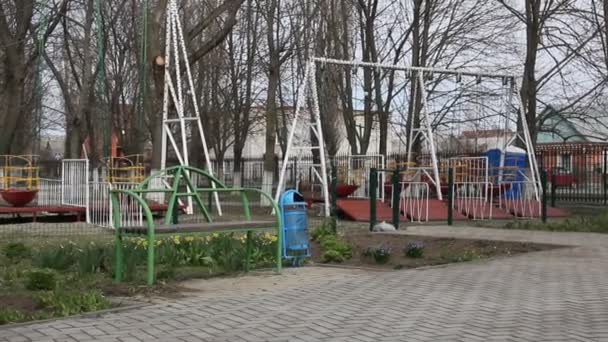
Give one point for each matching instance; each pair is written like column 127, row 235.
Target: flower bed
column 392, row 251
column 60, row 277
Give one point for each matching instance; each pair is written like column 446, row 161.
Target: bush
column 41, row 280
column 335, row 249
column 15, row 251
column 93, row 258
column 380, row 253
column 332, row 256
column 71, row 303
column 414, row 249
column 11, row 316
column 333, row 242
column 328, row 227
column 59, row 257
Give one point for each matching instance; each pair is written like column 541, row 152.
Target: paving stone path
column 556, row 295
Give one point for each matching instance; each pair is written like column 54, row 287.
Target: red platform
column 52, row 209
column 438, row 211
column 481, row 210
column 358, row 209
column 69, row 209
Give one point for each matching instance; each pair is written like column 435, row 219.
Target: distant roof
column 557, row 127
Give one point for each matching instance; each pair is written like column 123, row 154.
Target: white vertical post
column 87, row 193
column 529, row 146
column 429, row 137
column 299, row 104
column 319, row 133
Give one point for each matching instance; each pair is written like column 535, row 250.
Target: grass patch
column 46, row 278
column 588, row 224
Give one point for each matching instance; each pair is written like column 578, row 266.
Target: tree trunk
column 15, row 81
column 271, row 122
column 156, row 55
column 529, row 87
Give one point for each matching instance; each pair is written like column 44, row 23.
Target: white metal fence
column 101, row 207
column 519, row 198
column 474, row 199
column 75, row 183
column 414, row 200
column 49, row 192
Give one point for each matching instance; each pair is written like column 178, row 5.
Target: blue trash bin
column 294, row 214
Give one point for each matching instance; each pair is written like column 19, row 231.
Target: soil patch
column 23, row 303
column 436, row 251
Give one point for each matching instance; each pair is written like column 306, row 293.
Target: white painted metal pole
column 319, row 133
column 430, row 139
column 529, row 146
column 87, row 193
column 163, row 159
column 180, row 36
column 299, row 104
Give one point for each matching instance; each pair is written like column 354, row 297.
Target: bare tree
column 17, row 29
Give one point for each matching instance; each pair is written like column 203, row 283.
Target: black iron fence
column 577, row 173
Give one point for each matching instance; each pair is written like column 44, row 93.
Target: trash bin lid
column 291, row 197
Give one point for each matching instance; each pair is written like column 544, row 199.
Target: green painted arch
column 179, row 169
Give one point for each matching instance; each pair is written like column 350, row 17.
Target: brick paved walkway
column 557, row 295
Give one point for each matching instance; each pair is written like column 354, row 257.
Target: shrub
column 381, row 254
column 335, row 249
column 71, row 303
column 93, row 258
column 8, row 315
column 334, row 243
column 328, row 227
column 15, row 251
column 41, row 280
column 332, row 256
column 55, row 257
column 414, row 249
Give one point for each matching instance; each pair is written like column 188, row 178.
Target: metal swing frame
column 424, row 130
column 176, row 60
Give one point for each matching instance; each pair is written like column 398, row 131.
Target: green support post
column 119, row 271
column 604, row 178
column 334, row 195
column 543, row 181
column 553, row 189
column 175, row 214
column 395, row 194
column 450, row 196
column 373, row 188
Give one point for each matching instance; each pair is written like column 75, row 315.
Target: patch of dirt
column 169, row 291
column 23, row 303
column 436, row 250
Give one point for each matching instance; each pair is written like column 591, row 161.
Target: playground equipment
column 125, row 169
column 19, row 179
column 177, row 120
column 456, row 113
column 171, row 226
